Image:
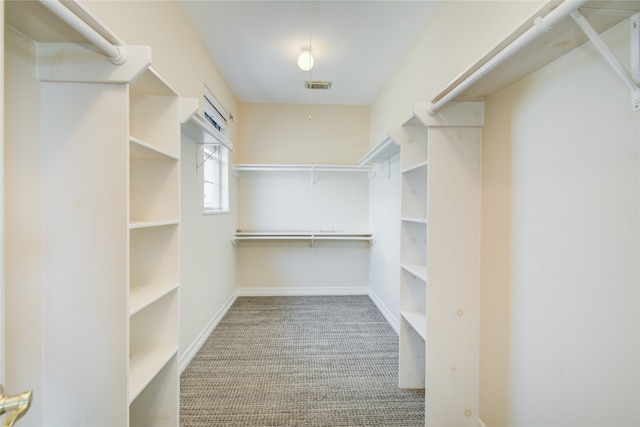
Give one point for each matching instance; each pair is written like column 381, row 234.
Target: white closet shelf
column 140, row 149
column 417, row 320
column 144, row 365
column 141, row 296
column 133, row 224
column 419, row 271
column 301, row 235
column 299, row 168
column 419, row 168
column 416, row 220
column 381, row 152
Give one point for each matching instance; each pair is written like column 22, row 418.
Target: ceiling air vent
column 315, row 84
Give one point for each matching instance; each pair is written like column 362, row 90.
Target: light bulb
column 305, row 60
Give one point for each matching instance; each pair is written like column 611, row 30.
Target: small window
column 215, row 166
column 216, row 158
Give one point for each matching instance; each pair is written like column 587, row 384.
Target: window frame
column 215, row 179
column 216, row 159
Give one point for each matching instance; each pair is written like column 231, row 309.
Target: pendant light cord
column 311, row 52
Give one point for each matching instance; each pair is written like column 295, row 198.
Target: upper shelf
column 381, row 152
column 299, row 168
column 560, row 40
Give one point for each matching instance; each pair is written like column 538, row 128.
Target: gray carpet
column 299, row 361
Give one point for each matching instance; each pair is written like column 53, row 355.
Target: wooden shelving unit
column 154, row 236
column 439, row 267
column 413, row 257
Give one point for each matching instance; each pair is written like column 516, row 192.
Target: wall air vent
column 315, row 84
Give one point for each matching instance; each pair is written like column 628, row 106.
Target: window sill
column 216, row 212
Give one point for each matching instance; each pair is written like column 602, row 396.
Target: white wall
column 283, row 133
column 560, row 280
column 287, row 201
column 384, row 215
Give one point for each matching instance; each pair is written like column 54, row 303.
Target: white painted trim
column 480, row 423
column 189, row 353
column 395, row 324
column 258, row 291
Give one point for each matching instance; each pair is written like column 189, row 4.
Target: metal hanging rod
column 116, row 54
column 540, row 26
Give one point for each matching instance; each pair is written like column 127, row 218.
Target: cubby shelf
column 414, row 220
column 419, row 168
column 148, row 224
column 417, row 270
column 145, row 364
column 417, row 320
column 142, row 150
column 143, row 295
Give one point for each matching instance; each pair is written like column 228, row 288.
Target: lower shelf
column 144, row 365
column 417, row 320
column 301, row 235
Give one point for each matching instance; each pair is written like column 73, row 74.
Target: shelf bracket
column 606, row 53
column 208, row 156
column 635, row 46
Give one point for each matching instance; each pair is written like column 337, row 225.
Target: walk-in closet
column 433, row 221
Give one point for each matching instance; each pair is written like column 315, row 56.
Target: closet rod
column 540, row 26
column 117, row 55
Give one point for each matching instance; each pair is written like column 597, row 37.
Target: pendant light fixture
column 305, row 59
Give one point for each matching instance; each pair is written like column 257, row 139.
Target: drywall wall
column 289, row 201
column 299, row 134
column 560, row 247
column 207, row 277
column 23, row 222
column 207, row 261
column 384, row 214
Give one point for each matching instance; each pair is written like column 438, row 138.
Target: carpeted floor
column 299, row 361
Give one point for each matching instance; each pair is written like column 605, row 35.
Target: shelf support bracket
column 606, row 53
column 206, row 155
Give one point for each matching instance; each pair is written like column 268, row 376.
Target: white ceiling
column 356, row 45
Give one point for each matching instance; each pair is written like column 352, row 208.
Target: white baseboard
column 285, row 291
column 189, row 353
column 385, row 312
